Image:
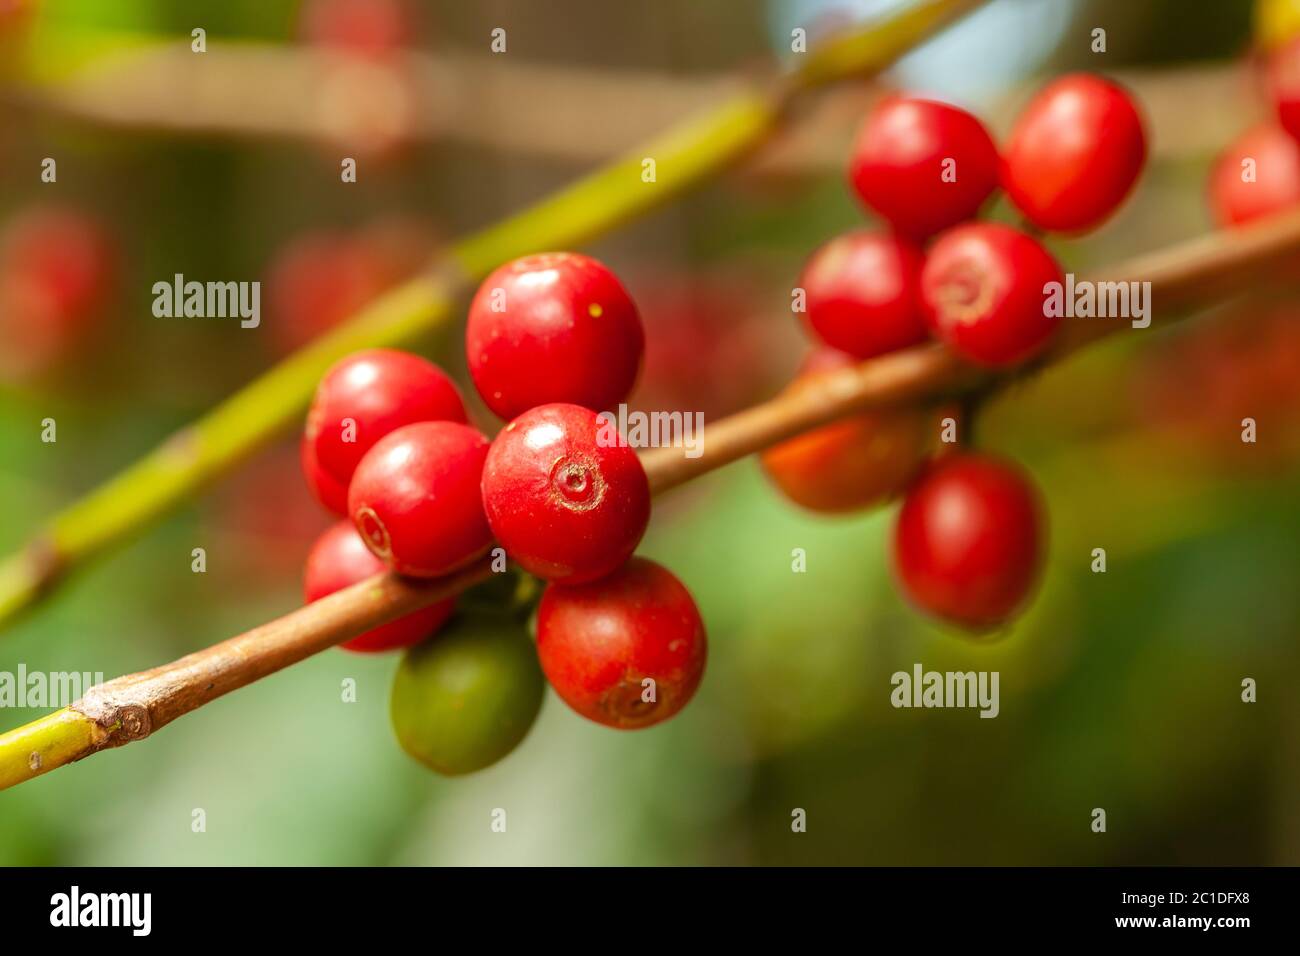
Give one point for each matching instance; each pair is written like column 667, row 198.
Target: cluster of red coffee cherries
column 550, row 340
column 968, row 542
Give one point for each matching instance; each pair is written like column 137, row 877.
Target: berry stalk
column 686, row 156
column 131, row 707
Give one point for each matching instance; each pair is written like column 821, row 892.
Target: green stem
column 684, row 157
column 46, row 743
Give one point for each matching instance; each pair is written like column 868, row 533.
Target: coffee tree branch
column 130, row 708
column 686, row 156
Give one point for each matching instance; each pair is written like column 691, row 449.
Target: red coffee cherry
column 983, row 292
column 369, row 394
column 1257, row 176
column 1074, row 153
column 56, row 275
column 863, row 293
column 968, row 545
column 853, row 463
column 565, row 496
column 339, row 558
column 557, row 327
column 330, row 493
column 923, row 165
column 627, row 651
column 415, row 498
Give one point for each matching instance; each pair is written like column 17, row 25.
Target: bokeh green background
column 1118, row 690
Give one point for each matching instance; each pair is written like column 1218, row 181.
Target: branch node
column 117, row 722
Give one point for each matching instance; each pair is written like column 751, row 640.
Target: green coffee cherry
column 466, row 698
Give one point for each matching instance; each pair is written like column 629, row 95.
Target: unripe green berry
column 465, row 699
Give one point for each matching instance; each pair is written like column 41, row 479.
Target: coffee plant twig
column 685, row 157
column 132, row 707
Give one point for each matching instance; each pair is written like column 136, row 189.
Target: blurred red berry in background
column 710, row 342
column 319, row 279
column 262, row 515
column 370, row 28
column 1203, row 382
column 1257, row 175
column 56, row 276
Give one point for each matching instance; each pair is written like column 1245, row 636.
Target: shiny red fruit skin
column 332, row 494
column 415, row 498
column 982, row 291
column 598, row 642
column 1276, row 177
column 339, row 558
column 968, row 544
column 863, row 293
column 1074, row 153
column 566, row 498
column 380, row 390
column 568, row 332
column 898, row 163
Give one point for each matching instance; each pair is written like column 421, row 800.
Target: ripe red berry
column 415, row 498
column 627, row 651
column 329, row 492
column 1074, row 153
column 983, row 291
column 56, row 275
column 565, row 496
column 339, row 558
column 969, row 540
column 368, row 395
column 558, row 327
column 853, row 463
column 1256, row 176
column 863, row 293
column 923, row 165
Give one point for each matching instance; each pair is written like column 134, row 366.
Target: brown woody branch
column 131, row 707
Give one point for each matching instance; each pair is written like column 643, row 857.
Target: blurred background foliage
column 1119, row 691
